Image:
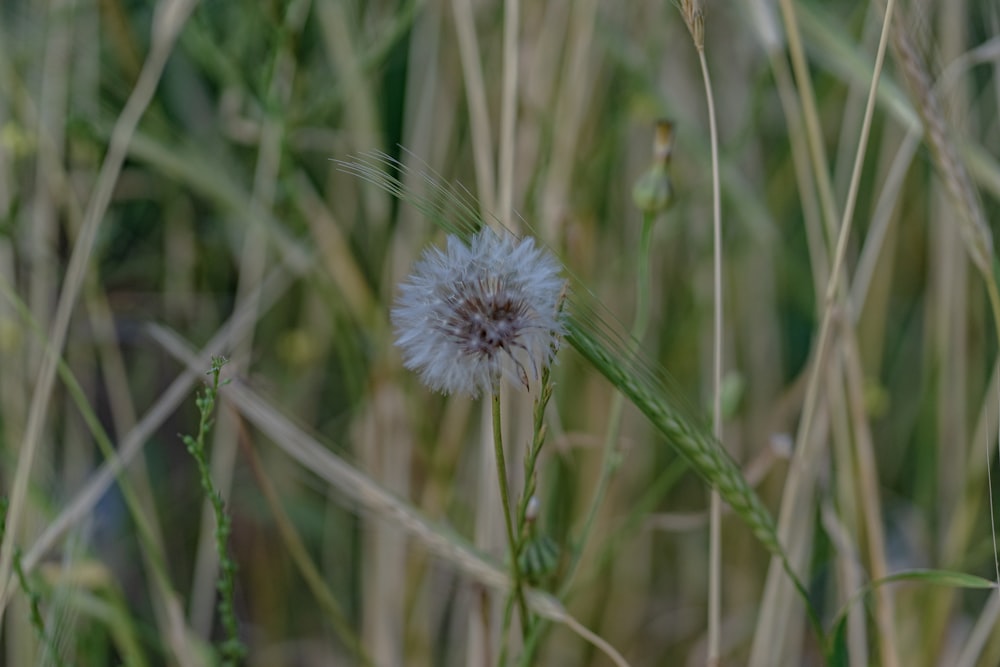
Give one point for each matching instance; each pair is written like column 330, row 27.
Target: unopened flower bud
column 653, row 192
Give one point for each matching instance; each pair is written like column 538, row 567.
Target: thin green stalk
column 641, row 321
column 515, row 570
column 232, row 649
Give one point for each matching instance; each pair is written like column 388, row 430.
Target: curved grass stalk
column 517, row 591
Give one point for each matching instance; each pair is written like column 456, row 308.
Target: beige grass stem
column 715, row 523
column 475, row 95
column 113, row 370
column 570, row 104
column 869, row 484
column 810, row 114
column 694, row 18
column 508, row 114
column 815, row 193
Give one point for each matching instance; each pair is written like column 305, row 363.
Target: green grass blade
column 837, row 647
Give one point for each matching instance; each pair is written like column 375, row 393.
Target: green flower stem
column 515, row 570
column 641, row 321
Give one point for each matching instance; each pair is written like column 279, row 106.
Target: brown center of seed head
column 486, row 320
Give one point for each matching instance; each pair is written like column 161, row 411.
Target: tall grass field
column 440, row 333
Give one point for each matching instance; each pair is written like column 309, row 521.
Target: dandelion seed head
column 470, row 314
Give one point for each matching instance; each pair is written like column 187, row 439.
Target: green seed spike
column 708, row 458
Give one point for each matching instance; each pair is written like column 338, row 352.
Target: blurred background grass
column 228, row 185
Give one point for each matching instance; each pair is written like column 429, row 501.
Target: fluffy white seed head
column 471, row 313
